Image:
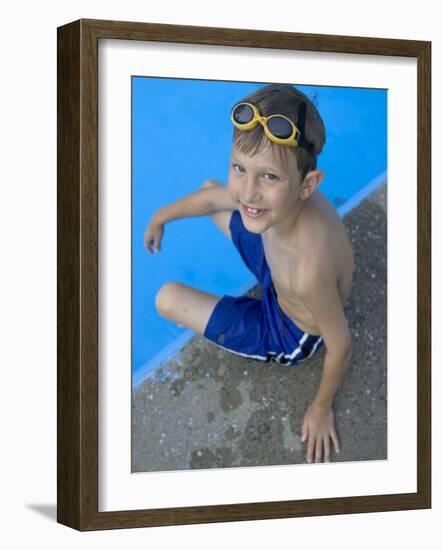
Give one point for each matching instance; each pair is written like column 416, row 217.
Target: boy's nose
column 251, row 191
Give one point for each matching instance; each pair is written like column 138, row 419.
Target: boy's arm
column 205, row 201
column 320, row 295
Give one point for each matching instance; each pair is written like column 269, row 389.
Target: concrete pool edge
column 148, row 369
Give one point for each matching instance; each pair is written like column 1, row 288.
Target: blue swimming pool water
column 181, row 136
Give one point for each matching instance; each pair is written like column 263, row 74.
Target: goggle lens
column 243, row 114
column 279, row 127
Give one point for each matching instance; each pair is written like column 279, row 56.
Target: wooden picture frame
column 77, row 309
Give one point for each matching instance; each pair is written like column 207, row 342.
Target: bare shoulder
column 317, row 234
column 325, row 256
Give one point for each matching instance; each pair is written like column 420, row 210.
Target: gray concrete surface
column 208, row 408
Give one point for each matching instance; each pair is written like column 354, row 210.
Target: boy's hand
column 318, row 428
column 153, row 236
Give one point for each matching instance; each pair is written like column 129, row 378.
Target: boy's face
column 267, row 188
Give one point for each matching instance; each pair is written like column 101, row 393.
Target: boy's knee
column 209, row 183
column 167, row 298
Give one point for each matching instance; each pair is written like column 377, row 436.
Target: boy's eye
column 270, row 177
column 238, row 168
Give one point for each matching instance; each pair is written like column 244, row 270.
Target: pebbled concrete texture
column 208, row 408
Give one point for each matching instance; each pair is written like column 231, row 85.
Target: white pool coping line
column 180, row 341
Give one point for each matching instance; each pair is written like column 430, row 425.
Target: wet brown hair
column 283, row 99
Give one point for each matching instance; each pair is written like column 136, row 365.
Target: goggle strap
column 301, row 118
column 302, row 110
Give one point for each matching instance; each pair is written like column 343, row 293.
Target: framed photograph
column 163, row 199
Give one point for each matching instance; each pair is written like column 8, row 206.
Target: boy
column 289, row 236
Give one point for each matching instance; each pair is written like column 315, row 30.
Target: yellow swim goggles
column 278, row 128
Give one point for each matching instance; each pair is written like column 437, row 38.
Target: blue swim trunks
column 258, row 329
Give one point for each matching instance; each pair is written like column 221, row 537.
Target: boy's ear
column 311, row 181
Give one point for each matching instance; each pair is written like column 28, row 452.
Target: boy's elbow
column 347, row 347
column 343, row 351
column 209, row 184
column 349, row 353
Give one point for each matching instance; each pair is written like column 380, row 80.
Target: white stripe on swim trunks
column 298, row 349
column 242, row 354
column 278, row 357
column 314, row 347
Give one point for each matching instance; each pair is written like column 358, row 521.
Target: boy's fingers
column 318, row 454
column 147, row 241
column 310, row 449
column 151, row 244
column 304, row 432
column 335, row 440
column 327, row 449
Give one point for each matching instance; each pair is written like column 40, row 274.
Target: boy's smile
column 267, row 189
column 252, row 212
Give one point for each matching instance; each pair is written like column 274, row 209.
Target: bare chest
column 284, row 265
